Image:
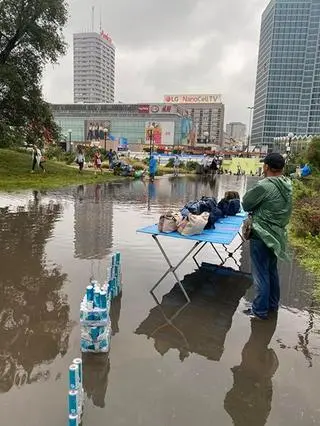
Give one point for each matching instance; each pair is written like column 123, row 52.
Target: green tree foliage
column 313, row 153
column 30, row 37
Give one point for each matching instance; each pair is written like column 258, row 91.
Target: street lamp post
column 251, row 109
column 70, row 138
column 105, row 131
column 150, row 135
column 288, row 146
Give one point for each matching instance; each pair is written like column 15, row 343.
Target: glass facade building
column 288, row 77
column 128, row 121
column 206, row 112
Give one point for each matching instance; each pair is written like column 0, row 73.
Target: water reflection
column 249, row 401
column 115, row 311
column 173, row 192
column 34, row 315
column 96, row 367
column 93, row 217
column 202, row 326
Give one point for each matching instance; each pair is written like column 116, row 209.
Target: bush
column 191, row 165
column 301, row 191
column 55, row 153
column 313, row 153
column 170, row 163
column 306, row 217
column 136, row 164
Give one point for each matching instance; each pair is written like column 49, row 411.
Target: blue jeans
column 265, row 277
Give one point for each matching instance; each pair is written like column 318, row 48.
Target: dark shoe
column 252, row 315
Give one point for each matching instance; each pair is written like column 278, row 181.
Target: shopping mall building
column 130, row 122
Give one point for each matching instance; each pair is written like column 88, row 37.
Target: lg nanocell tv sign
column 193, row 99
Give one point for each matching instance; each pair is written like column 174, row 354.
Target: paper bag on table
column 193, row 224
column 169, row 222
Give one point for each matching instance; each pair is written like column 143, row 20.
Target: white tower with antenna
column 94, row 65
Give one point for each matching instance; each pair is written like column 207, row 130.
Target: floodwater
column 202, row 364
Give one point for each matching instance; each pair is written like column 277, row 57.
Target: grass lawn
column 15, row 173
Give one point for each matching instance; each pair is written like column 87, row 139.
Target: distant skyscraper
column 237, row 131
column 94, row 68
column 287, row 95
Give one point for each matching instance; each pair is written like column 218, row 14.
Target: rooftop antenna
column 92, row 19
column 100, row 19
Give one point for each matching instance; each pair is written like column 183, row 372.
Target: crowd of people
column 96, row 160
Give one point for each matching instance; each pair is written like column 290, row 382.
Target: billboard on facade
column 188, row 133
column 162, row 132
column 95, row 129
column 144, row 109
column 155, row 109
column 193, row 99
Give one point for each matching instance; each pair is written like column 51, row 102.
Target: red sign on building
column 106, row 36
column 167, row 108
column 144, row 109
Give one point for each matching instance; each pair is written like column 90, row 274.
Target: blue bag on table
column 230, row 205
column 206, row 204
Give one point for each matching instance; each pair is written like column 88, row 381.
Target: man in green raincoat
column 270, row 203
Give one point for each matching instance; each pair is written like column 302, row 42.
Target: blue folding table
column 225, row 232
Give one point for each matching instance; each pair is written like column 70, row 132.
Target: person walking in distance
column 37, row 159
column 97, row 160
column 153, row 167
column 80, row 159
column 110, row 159
column 270, row 203
column 176, row 165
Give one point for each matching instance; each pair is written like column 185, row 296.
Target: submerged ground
column 204, row 364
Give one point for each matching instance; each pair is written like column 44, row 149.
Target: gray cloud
column 172, row 46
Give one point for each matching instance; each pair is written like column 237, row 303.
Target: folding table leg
column 172, row 268
column 197, row 252
column 217, row 253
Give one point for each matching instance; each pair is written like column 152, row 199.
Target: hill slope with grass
column 15, row 173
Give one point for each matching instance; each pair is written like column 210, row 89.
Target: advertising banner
column 144, row 109
column 123, row 144
column 193, row 99
column 188, row 134
column 155, row 109
column 161, row 133
column 95, row 129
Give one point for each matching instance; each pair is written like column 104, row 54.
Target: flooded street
column 203, row 364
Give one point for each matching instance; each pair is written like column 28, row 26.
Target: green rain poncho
column 270, row 202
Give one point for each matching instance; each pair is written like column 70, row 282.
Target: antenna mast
column 92, row 28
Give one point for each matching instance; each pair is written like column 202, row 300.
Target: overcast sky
column 171, row 47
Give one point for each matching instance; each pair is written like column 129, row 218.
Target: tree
column 313, row 153
column 31, row 36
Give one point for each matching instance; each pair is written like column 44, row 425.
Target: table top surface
column 225, row 232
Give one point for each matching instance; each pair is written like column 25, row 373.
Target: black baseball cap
column 275, row 161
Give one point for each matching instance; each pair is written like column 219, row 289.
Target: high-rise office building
column 94, row 68
column 288, row 77
column 237, row 131
column 207, row 114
